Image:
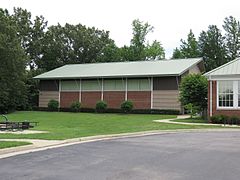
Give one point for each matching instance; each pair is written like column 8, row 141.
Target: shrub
column 75, row 106
column 101, row 106
column 219, row 119
column 127, row 106
column 192, row 110
column 234, row 119
column 53, row 105
column 193, row 89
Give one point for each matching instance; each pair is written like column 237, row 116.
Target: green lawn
column 8, row 144
column 64, row 125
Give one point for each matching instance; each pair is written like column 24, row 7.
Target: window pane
column 70, row 85
column 91, row 85
column 225, row 93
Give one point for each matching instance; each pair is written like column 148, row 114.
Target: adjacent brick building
column 224, row 89
column 148, row 84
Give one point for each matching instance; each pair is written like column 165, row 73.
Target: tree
column 213, row 50
column 12, row 69
column 140, row 31
column 188, row 48
column 232, row 35
column 154, row 51
column 72, row 44
column 193, row 89
column 31, row 33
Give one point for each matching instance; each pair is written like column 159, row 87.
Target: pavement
column 173, row 156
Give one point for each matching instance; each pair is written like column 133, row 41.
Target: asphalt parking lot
column 177, row 156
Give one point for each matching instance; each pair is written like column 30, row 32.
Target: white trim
column 126, row 90
column 151, row 81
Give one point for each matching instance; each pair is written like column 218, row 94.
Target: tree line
column 216, row 47
column 29, row 46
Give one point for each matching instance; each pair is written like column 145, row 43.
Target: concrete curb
column 4, row 153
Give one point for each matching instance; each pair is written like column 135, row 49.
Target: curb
column 5, row 153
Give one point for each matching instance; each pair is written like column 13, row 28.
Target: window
column 139, row 84
column 92, row 85
column 228, row 93
column 114, row 85
column 70, row 85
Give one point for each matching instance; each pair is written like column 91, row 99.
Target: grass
column 192, row 120
column 65, row 125
column 8, row 144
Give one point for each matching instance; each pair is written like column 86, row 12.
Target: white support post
column 151, row 81
column 126, row 90
column 102, row 91
column 80, row 90
column 210, row 108
column 59, row 92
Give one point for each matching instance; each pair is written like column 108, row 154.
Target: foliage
column 31, row 34
column 127, row 106
column 188, row 48
column 219, row 119
column 53, row 105
column 192, row 110
column 12, row 70
column 154, row 51
column 213, row 50
column 232, row 36
column 75, row 106
column 101, row 106
column 193, row 89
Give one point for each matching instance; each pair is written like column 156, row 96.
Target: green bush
column 193, row 89
column 234, row 119
column 219, row 119
column 127, row 106
column 101, row 106
column 53, row 105
column 75, row 106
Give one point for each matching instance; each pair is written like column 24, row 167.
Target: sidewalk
column 171, row 121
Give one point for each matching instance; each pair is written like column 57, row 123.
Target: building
column 224, row 89
column 148, row 84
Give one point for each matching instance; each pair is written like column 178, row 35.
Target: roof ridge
column 160, row 60
column 213, row 70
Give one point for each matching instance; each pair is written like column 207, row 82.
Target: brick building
column 224, row 89
column 148, row 84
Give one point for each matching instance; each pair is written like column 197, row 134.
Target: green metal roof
column 122, row 69
column 228, row 69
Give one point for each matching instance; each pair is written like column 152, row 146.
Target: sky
column 171, row 19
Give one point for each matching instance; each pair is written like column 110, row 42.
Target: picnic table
column 16, row 125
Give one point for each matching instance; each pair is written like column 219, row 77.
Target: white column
column 151, row 81
column 126, row 90
column 102, row 91
column 210, row 108
column 59, row 92
column 80, row 90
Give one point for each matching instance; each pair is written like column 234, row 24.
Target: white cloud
column 172, row 19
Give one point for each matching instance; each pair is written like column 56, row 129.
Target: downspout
column 59, row 93
column 80, row 90
column 126, row 90
column 151, row 81
column 102, row 91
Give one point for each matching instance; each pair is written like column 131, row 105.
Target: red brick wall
column 140, row 99
column 214, row 103
column 89, row 99
column 114, row 99
column 66, row 98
